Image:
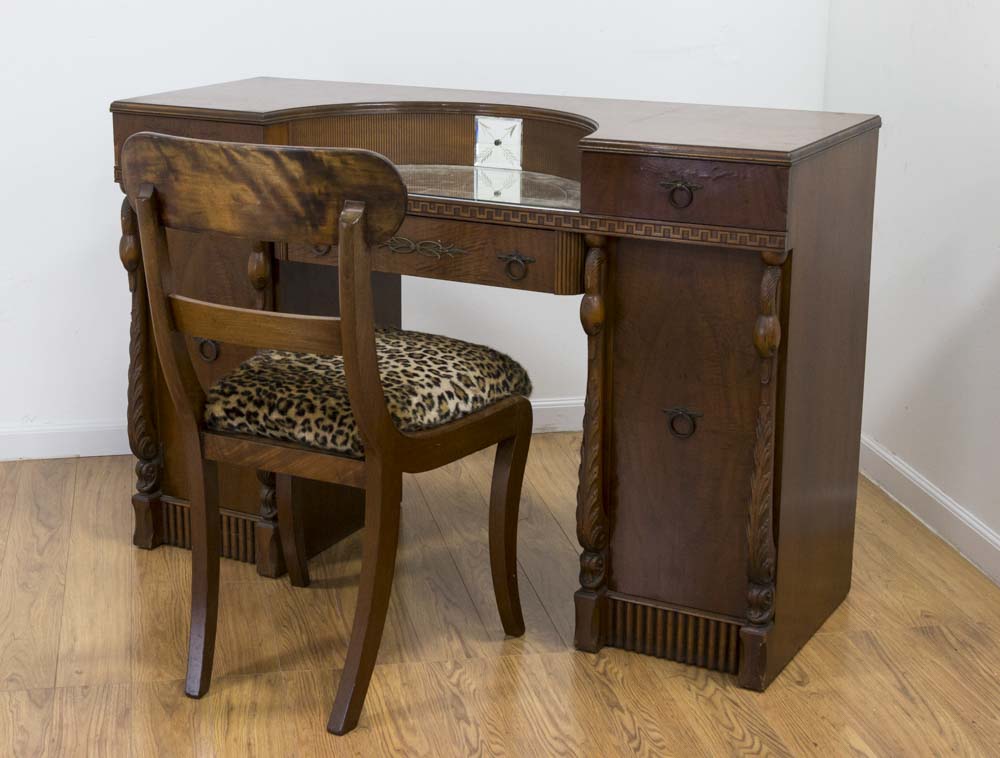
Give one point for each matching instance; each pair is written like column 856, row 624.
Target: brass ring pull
column 681, row 193
column 517, row 265
column 681, row 422
column 208, row 350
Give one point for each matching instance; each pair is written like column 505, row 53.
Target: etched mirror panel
column 498, row 142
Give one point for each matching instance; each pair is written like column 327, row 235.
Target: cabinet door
column 682, row 340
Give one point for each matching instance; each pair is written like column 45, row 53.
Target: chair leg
column 205, row 545
column 505, row 498
column 383, row 492
column 290, row 529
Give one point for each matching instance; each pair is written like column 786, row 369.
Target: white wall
column 63, row 296
column 932, row 394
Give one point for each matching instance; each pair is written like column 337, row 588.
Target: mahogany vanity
column 723, row 258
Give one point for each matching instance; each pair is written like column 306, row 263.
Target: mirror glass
column 493, row 185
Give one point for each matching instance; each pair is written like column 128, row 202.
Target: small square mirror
column 498, row 142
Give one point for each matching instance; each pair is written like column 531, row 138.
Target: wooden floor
column 93, row 636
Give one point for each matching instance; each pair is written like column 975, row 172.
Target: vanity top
column 760, row 135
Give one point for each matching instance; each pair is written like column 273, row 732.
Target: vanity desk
column 723, row 258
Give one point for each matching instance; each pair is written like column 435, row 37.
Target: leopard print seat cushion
column 428, row 380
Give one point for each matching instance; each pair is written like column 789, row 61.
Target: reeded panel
column 674, row 635
column 237, row 531
column 443, row 138
column 548, row 146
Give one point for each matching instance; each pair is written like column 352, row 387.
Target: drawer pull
column 517, row 265
column 681, row 193
column 320, row 250
column 430, row 248
column 682, row 422
column 208, row 350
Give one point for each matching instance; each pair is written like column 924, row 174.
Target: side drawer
column 538, row 260
column 720, row 193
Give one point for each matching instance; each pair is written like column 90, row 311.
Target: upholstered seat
column 428, row 380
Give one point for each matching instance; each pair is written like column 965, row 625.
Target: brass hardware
column 682, row 422
column 517, row 265
column 681, row 193
column 321, row 250
column 430, row 248
column 208, row 350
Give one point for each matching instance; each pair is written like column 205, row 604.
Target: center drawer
column 538, row 260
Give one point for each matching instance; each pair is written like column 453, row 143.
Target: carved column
column 142, row 436
column 760, row 511
column 592, row 527
column 270, row 558
column 260, row 265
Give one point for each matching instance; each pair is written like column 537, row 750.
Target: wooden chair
column 321, row 196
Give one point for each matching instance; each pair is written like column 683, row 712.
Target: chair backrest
column 265, row 193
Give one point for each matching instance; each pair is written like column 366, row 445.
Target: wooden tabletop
column 633, row 126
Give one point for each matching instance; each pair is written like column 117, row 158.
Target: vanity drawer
column 538, row 260
column 720, row 193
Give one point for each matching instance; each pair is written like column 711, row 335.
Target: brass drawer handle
column 429, row 248
column 681, row 193
column 517, row 265
column 682, row 422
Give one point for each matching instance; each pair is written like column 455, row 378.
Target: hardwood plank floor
column 93, row 637
column 33, row 573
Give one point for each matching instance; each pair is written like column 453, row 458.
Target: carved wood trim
column 260, row 273
column 268, row 495
column 142, row 436
column 760, row 511
column 270, row 558
column 717, row 236
column 674, row 634
column 591, row 518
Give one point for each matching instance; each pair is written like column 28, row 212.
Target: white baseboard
column 557, row 414
column 63, row 441
column 951, row 521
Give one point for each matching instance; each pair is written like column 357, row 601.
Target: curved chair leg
column 383, row 492
column 205, row 544
column 290, row 529
column 505, row 498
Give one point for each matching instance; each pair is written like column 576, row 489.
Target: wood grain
column 826, row 281
column 460, row 511
column 33, row 574
column 763, row 135
column 464, row 251
column 727, row 194
column 94, row 640
column 670, row 492
column 8, row 490
column 909, row 664
column 253, row 192
column 546, row 556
